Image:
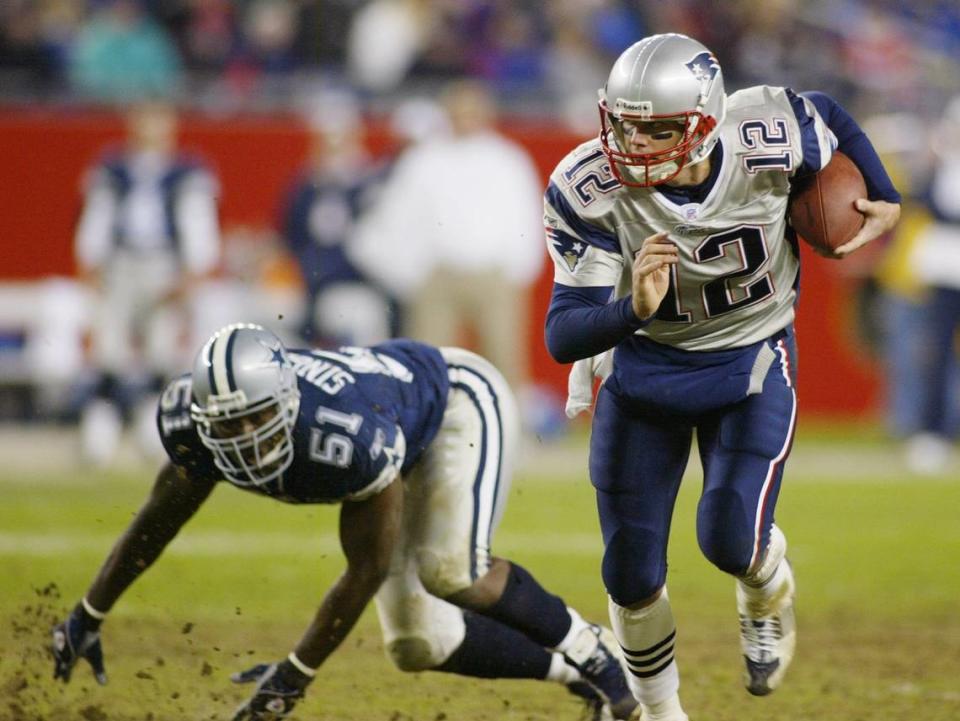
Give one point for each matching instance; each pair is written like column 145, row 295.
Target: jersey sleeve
column 584, row 252
column 178, row 433
column 384, row 459
column 816, row 142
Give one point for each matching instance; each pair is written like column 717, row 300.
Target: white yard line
column 205, row 544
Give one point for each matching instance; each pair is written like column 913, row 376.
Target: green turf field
column 877, row 561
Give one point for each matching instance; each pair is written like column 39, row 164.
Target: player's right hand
column 75, row 638
column 279, row 687
column 651, row 274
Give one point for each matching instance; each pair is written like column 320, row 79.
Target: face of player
column 640, row 138
column 257, row 449
column 650, row 137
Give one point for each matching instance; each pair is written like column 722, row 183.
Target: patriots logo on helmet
column 704, row 67
column 570, row 248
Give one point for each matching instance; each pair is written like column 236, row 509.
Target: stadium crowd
column 887, row 54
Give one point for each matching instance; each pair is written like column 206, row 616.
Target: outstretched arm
column 174, row 499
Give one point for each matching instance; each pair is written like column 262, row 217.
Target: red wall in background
column 44, row 154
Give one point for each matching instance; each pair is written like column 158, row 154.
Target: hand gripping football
column 822, row 209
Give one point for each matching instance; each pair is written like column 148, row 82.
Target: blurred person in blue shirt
column 340, row 180
column 123, row 54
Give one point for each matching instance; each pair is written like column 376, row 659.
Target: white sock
column 765, row 587
column 667, row 710
column 561, row 671
column 577, row 624
column 765, row 598
column 647, row 636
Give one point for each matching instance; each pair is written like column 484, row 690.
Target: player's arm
column 175, row 497
column 368, row 533
column 881, row 207
column 581, row 320
column 369, row 530
column 173, row 501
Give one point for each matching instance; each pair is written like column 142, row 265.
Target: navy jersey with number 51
column 365, row 416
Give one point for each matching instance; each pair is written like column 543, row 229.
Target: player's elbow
column 558, row 341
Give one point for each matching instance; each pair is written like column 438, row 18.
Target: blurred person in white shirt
column 147, row 233
column 457, row 234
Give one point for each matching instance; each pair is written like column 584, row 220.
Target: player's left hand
column 279, row 687
column 880, row 216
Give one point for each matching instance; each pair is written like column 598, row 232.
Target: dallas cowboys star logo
column 277, row 355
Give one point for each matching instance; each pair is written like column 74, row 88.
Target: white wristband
column 99, row 615
column 301, row 666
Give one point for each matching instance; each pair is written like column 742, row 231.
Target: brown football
column 822, row 207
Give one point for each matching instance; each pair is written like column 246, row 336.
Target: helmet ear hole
column 245, row 405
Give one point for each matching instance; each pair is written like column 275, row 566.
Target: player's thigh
column 459, row 488
column 636, row 464
column 744, row 452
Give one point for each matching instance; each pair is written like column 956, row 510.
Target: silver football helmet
column 667, row 77
column 245, row 403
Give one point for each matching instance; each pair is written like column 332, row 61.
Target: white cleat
column 768, row 633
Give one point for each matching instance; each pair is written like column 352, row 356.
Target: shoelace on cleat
column 763, row 635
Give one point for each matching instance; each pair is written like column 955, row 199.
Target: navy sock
column 526, row 606
column 492, row 650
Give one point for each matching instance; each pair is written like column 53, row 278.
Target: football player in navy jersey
column 417, row 444
column 672, row 252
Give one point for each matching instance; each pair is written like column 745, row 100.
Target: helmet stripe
column 208, row 360
column 220, row 384
column 228, row 362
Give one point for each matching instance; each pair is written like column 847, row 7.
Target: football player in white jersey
column 673, row 253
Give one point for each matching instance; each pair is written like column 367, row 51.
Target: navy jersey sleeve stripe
column 581, row 323
column 589, row 233
column 855, row 144
column 809, row 141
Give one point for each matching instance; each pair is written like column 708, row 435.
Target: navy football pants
column 638, row 456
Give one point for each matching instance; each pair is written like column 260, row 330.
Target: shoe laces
column 761, row 636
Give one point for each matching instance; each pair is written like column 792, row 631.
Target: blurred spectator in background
column 384, row 40
column 456, row 235
column 148, row 232
column 936, row 260
column 122, row 54
column 891, row 298
column 320, row 212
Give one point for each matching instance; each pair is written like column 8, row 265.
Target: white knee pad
column 420, row 631
column 415, row 654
